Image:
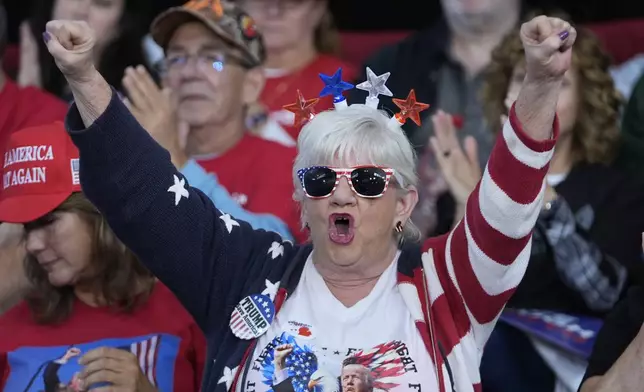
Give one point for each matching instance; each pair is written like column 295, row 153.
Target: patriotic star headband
column 374, row 85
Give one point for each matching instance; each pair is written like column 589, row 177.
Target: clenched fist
column 548, row 48
column 71, row 43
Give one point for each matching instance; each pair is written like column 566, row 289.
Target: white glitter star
column 375, row 85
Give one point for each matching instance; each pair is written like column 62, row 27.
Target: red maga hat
column 40, row 171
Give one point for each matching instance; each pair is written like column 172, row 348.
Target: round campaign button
column 252, row 316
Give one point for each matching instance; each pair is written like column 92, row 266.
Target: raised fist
column 548, row 47
column 71, row 43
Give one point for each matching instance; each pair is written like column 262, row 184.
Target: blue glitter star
column 334, row 85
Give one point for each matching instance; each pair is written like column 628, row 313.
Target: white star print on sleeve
column 276, row 250
column 229, row 221
column 228, row 376
column 179, row 189
column 271, row 289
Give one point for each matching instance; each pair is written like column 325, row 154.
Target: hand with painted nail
column 548, row 47
column 114, row 367
column 71, row 43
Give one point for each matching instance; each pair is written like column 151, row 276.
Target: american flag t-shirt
column 317, row 344
column 146, row 352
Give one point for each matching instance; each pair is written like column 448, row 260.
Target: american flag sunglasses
column 320, row 182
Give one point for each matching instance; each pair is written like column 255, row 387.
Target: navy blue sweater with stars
column 208, row 259
column 211, row 261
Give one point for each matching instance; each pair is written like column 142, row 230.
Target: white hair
column 360, row 133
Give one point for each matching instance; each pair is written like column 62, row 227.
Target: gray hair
column 357, row 132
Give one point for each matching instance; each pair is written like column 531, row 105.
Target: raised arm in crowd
column 363, row 267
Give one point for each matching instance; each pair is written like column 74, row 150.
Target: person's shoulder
column 45, row 106
column 609, row 179
column 37, row 95
column 163, row 298
column 427, row 41
column 162, row 293
column 627, row 187
column 272, row 150
column 627, row 315
column 633, row 305
column 19, row 314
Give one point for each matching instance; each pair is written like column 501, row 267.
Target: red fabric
column 161, row 316
column 27, row 107
column 40, row 171
column 622, row 39
column 257, row 173
column 11, row 59
column 283, row 90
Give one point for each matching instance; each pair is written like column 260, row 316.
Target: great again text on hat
column 26, row 175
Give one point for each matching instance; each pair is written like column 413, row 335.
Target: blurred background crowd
column 464, row 57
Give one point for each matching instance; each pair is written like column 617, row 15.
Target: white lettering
column 28, row 154
column 31, row 175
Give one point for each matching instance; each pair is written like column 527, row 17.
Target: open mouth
column 341, row 228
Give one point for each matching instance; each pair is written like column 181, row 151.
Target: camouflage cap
column 224, row 18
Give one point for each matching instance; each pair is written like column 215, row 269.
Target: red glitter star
column 409, row 108
column 303, row 108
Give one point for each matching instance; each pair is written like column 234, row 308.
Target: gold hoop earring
column 399, row 227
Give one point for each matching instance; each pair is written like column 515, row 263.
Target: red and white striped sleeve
column 487, row 253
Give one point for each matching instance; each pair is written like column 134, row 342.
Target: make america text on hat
column 26, row 175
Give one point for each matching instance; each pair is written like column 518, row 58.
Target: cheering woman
column 362, row 294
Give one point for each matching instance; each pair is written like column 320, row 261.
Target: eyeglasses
column 320, row 182
column 205, row 61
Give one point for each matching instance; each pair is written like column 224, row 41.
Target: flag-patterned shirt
column 168, row 345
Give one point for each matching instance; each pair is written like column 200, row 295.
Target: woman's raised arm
column 202, row 255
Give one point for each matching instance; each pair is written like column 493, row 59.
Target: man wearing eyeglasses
column 213, row 68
